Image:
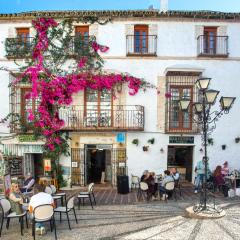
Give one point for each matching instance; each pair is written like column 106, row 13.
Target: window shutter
column 198, row 31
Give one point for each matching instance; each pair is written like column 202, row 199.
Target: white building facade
column 170, row 50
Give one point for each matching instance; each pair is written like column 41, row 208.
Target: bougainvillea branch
column 53, row 88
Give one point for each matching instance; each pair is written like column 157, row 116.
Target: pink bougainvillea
column 58, row 90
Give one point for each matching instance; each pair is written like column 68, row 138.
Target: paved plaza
column 141, row 220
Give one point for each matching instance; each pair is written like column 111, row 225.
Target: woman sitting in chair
column 218, row 177
column 149, row 179
column 16, row 199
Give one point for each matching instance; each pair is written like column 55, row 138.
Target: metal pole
column 205, row 149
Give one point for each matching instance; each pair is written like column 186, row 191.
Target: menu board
column 15, row 166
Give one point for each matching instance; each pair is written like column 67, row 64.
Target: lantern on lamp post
column 205, row 118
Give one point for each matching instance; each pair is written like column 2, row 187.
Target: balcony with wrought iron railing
column 138, row 45
column 80, row 45
column 18, row 47
column 212, row 46
column 117, row 118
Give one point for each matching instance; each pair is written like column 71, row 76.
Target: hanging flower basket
column 210, row 141
column 224, row 147
column 145, row 148
column 237, row 139
column 151, row 141
column 135, row 141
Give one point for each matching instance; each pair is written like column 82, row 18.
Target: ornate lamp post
column 207, row 122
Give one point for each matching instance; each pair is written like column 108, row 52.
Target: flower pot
column 145, row 148
column 224, row 147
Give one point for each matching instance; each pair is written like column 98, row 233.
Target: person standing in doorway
column 200, row 171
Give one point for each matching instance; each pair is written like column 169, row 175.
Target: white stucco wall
column 176, row 45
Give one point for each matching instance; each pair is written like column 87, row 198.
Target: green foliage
column 135, row 141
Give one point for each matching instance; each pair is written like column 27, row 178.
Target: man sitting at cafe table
column 39, row 198
column 28, row 183
column 167, row 178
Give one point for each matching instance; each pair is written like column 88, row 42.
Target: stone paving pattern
column 137, row 221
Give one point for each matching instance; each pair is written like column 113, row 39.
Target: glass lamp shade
column 198, row 107
column 203, row 83
column 227, row 102
column 211, row 96
column 184, row 104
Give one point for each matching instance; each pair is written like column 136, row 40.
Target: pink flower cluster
column 54, row 91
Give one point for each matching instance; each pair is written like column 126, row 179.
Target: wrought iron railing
column 119, row 117
column 18, row 47
column 142, row 45
column 80, row 45
column 214, row 46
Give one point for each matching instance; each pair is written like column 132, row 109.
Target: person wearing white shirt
column 40, row 198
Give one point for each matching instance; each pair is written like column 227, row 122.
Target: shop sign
column 47, row 165
column 121, row 137
column 26, row 138
column 181, row 140
column 74, row 164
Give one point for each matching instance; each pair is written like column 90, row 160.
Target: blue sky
column 10, row 6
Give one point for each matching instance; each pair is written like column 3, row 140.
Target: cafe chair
column 177, row 187
column 143, row 191
column 7, row 214
column 134, row 182
column 55, row 194
column 89, row 194
column 49, row 190
column 66, row 209
column 169, row 189
column 44, row 213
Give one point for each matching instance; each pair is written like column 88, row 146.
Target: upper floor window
column 81, row 40
column 179, row 120
column 211, row 44
column 141, row 43
column 181, row 85
column 141, row 38
column 26, row 104
column 98, row 108
column 23, row 36
column 210, row 39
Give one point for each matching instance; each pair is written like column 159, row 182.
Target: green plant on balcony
column 17, row 48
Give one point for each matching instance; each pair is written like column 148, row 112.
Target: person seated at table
column 175, row 174
column 149, row 179
column 167, row 178
column 39, row 198
column 225, row 169
column 16, row 199
column 144, row 175
column 218, row 177
column 28, row 184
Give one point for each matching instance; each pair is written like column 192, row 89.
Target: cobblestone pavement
column 154, row 220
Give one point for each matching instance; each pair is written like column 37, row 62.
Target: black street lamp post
column 207, row 122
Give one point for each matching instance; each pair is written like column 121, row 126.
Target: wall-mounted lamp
column 161, row 150
column 76, row 144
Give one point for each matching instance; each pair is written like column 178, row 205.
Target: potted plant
column 151, row 141
column 210, row 141
column 145, row 148
column 237, row 139
column 135, row 141
column 224, row 146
